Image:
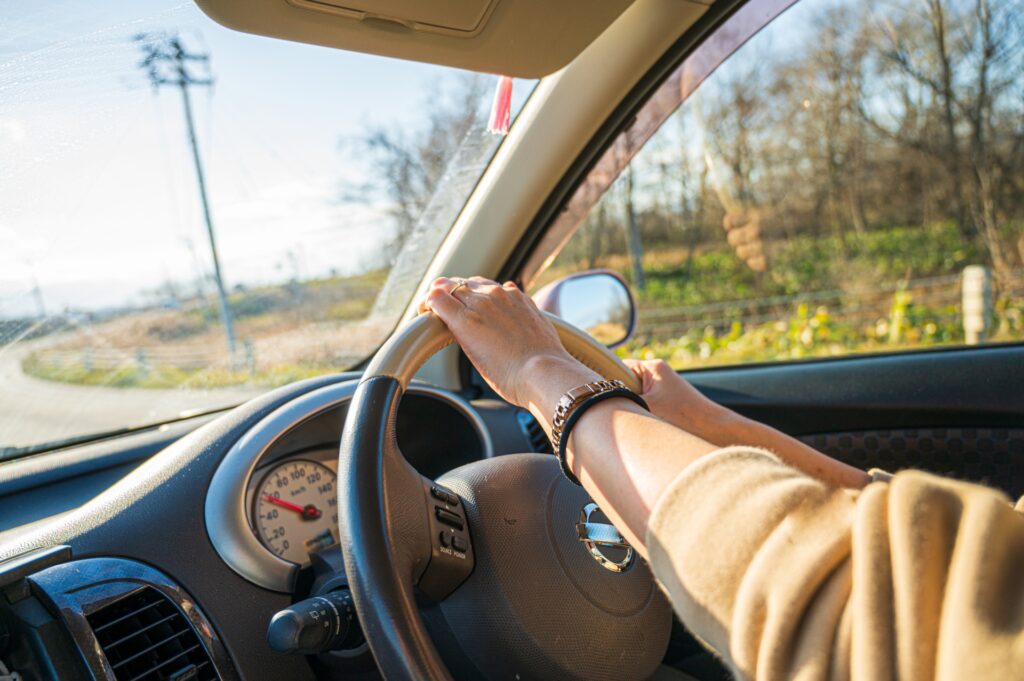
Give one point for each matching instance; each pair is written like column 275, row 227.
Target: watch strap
column 574, row 404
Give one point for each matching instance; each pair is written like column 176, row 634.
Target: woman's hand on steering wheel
column 508, row 339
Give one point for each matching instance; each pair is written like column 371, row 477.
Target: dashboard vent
column 534, row 433
column 146, row 638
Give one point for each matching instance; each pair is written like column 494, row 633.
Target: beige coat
column 917, row 578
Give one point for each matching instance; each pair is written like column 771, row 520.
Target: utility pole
column 166, row 62
column 37, row 293
column 633, row 243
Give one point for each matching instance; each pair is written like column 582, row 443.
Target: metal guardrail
column 116, row 358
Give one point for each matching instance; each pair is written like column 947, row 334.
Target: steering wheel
column 502, row 568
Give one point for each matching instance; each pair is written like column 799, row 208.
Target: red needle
column 309, row 512
column 284, row 504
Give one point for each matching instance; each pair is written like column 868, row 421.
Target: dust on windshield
column 190, row 216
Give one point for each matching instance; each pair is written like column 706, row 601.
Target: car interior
column 434, row 536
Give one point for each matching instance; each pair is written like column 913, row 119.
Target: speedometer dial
column 297, row 510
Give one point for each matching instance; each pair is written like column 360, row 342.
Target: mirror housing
column 597, row 301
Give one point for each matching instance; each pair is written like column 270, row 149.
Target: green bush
column 808, row 264
column 816, row 333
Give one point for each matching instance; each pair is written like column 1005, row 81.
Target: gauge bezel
column 227, row 509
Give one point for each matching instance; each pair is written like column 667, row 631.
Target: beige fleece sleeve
column 919, row 578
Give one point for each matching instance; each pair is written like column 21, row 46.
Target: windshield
column 190, row 215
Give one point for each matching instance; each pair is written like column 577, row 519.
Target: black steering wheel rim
column 382, row 587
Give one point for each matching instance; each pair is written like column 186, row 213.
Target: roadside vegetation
column 891, row 291
column 285, row 333
column 130, row 375
column 901, row 298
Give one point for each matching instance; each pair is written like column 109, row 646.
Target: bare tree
column 407, row 164
column 964, row 56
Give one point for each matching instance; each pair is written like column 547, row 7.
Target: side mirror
column 597, row 301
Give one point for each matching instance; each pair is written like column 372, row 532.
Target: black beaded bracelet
column 582, row 407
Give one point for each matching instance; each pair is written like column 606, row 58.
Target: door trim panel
column 981, row 387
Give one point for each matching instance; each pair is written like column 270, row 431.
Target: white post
column 250, row 356
column 976, row 286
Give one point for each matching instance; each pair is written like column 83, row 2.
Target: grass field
column 889, row 289
column 285, row 333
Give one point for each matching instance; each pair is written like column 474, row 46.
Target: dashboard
column 200, row 545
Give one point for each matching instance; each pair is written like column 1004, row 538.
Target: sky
column 98, row 198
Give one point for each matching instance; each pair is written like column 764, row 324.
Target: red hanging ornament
column 501, row 109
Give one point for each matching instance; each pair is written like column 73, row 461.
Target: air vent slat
column 164, row 663
column 145, row 636
column 124, row 617
column 152, row 647
column 136, row 632
column 534, row 433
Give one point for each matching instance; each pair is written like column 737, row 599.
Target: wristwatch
column 572, row 405
column 572, row 399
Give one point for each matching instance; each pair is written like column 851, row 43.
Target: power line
column 167, row 62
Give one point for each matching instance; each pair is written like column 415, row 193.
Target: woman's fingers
column 446, row 306
column 439, row 285
column 635, row 365
column 652, row 371
column 450, row 298
column 478, row 287
column 466, row 291
column 642, row 371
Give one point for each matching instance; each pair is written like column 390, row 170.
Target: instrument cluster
column 272, row 502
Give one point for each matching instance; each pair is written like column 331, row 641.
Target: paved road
column 34, row 411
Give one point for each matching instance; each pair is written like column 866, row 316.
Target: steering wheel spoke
column 451, row 549
column 429, row 530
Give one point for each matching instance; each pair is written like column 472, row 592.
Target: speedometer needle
column 309, row 511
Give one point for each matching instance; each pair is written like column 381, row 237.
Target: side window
column 848, row 179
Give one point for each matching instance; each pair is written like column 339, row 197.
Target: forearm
column 721, row 426
column 743, row 431
column 626, row 457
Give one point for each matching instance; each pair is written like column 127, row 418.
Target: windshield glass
column 190, row 215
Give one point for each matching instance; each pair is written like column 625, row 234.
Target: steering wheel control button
column 444, row 495
column 451, row 557
column 315, row 625
column 449, row 518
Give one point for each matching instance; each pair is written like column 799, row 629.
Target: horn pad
column 539, row 604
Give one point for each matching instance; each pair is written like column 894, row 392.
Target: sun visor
column 521, row 38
